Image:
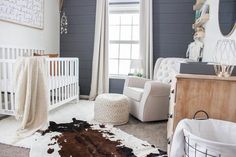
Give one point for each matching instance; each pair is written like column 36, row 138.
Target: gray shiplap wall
column 79, row 40
column 172, row 27
column 172, row 33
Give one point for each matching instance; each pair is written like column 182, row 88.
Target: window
column 123, row 37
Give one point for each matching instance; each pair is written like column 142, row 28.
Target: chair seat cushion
column 134, row 93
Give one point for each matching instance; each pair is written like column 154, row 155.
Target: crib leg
column 77, row 100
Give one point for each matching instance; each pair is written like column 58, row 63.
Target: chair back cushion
column 165, row 68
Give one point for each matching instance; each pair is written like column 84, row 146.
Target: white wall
column 27, row 37
column 213, row 33
column 47, row 39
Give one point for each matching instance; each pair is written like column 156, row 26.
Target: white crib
column 63, row 78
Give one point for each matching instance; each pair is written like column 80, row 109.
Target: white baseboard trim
column 86, row 97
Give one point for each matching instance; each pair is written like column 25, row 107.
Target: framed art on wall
column 24, row 12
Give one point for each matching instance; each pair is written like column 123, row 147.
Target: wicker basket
column 210, row 138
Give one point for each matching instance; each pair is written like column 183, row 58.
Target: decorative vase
column 225, row 57
column 223, row 70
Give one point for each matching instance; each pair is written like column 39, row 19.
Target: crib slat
column 66, row 80
column 72, row 75
column 1, row 104
column 8, row 53
column 56, row 79
column 74, row 93
column 19, row 52
column 59, row 82
column 53, row 81
column 5, row 85
column 1, row 52
column 66, row 65
column 73, row 78
column 69, row 80
column 63, row 80
column 16, row 53
column 77, row 78
column 11, row 86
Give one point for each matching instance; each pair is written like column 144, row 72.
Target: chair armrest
column 133, row 81
column 155, row 88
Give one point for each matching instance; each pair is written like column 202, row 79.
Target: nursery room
column 117, row 78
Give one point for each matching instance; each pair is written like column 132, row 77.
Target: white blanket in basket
column 212, row 137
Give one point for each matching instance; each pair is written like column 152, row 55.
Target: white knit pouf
column 111, row 109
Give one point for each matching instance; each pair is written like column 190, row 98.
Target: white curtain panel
column 146, row 37
column 100, row 80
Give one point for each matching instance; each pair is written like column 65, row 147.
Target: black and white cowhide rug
column 83, row 139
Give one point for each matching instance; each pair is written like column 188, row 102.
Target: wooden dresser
column 215, row 95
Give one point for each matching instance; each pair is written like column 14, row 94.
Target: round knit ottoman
column 112, row 109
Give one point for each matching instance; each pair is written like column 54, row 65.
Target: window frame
column 132, row 8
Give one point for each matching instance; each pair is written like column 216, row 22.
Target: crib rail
column 63, row 80
column 63, row 83
column 13, row 53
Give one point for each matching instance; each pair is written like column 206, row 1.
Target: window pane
column 124, row 67
column 125, row 32
column 114, row 19
column 135, row 32
column 113, row 66
column 126, row 19
column 113, row 50
column 135, row 51
column 136, row 19
column 125, row 51
column 114, row 32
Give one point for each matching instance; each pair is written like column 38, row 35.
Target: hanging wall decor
column 23, row 12
column 64, row 23
column 63, row 20
column 195, row 48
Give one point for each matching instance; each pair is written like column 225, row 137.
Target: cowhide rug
column 83, row 139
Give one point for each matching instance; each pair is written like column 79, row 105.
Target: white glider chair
column 149, row 99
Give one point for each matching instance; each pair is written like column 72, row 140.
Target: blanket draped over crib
column 31, row 94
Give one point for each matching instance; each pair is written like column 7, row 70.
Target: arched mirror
column 227, row 16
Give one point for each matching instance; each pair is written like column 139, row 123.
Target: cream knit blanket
column 31, row 94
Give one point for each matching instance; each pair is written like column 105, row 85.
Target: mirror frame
column 232, row 30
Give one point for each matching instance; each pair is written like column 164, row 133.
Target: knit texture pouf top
column 111, row 109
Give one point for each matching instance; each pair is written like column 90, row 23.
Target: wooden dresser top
column 205, row 77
